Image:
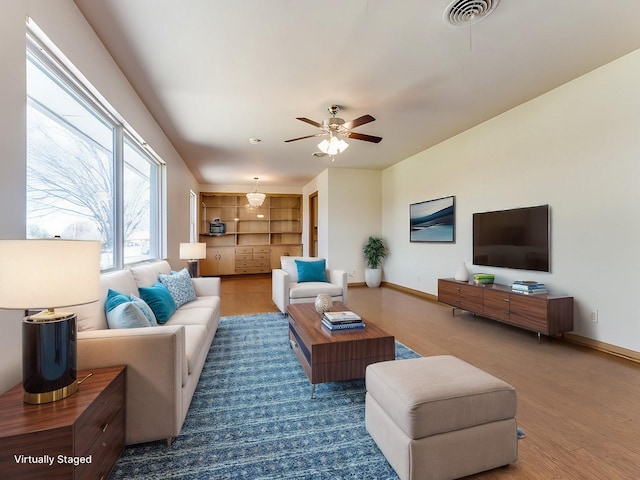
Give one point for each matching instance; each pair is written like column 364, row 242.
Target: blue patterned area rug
column 252, row 417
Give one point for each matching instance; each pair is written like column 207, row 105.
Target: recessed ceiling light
column 254, row 140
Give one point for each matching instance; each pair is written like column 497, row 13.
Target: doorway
column 313, row 224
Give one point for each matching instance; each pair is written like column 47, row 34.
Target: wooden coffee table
column 332, row 356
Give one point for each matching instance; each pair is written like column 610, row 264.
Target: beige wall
column 349, row 205
column 66, row 27
column 576, row 148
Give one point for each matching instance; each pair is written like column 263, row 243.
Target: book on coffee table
column 342, row 317
column 342, row 326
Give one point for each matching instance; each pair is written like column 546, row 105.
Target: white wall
column 13, row 216
column 354, row 207
column 66, row 27
column 349, row 206
column 576, row 148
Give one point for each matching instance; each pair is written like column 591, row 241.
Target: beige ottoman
column 440, row 417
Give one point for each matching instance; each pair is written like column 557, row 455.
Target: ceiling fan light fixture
column 333, row 146
column 255, row 198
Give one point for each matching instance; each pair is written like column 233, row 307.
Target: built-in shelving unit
column 254, row 238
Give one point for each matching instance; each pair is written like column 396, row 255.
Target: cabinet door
column 496, row 304
column 460, row 295
column 226, row 261
column 449, row 293
column 529, row 312
column 471, row 298
column 219, row 261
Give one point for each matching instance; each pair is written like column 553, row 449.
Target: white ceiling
column 215, row 73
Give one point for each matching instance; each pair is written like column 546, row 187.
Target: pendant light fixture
column 255, row 198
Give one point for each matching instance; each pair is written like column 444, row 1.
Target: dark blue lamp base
column 49, row 351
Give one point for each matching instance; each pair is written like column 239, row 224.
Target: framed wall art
column 433, row 220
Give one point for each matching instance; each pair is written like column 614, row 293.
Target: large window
column 88, row 175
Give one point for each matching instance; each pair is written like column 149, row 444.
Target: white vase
column 323, row 303
column 462, row 274
column 373, row 277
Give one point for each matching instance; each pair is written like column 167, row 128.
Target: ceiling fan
column 337, row 129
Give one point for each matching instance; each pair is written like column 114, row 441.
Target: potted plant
column 374, row 252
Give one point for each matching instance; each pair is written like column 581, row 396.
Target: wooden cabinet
column 257, row 235
column 460, row 295
column 278, row 251
column 253, row 260
column 546, row 314
column 79, row 437
column 219, row 261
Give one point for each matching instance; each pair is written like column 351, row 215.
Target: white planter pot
column 373, row 277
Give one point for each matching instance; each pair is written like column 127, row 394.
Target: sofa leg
column 170, row 441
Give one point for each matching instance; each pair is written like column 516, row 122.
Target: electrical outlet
column 353, row 273
column 594, row 316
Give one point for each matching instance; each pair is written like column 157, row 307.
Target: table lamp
column 52, row 273
column 193, row 252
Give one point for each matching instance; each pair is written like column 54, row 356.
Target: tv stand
column 547, row 314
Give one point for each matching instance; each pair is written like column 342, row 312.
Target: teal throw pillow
column 114, row 299
column 160, row 300
column 145, row 309
column 126, row 315
column 179, row 286
column 311, row 271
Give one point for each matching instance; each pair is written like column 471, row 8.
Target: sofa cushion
column 147, row 274
column 312, row 289
column 201, row 313
column 311, row 271
column 180, row 286
column 160, row 300
column 194, row 336
column 92, row 316
column 126, row 315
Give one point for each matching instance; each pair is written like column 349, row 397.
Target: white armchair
column 286, row 287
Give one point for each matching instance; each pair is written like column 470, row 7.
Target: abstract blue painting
column 433, row 220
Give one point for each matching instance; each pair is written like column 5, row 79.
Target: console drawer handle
column 104, row 427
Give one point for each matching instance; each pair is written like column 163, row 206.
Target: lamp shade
column 193, row 251
column 48, row 273
column 333, row 146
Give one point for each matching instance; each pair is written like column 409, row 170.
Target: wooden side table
column 79, row 437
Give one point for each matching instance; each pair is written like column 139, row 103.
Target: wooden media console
column 542, row 313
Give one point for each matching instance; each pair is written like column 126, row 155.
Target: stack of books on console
column 342, row 320
column 528, row 287
column 483, row 278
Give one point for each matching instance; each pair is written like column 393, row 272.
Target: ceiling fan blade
column 359, row 121
column 362, row 136
column 310, row 122
column 306, row 136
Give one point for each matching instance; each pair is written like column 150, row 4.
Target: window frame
column 42, row 50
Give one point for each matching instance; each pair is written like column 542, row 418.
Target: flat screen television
column 517, row 238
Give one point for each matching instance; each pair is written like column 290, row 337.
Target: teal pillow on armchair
column 312, row 271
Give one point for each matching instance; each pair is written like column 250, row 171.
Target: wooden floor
column 579, row 408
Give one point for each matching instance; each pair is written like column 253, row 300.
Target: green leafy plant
column 374, row 252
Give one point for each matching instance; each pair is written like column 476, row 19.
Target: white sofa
column 286, row 289
column 164, row 362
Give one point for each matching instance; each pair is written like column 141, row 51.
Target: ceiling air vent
column 462, row 13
